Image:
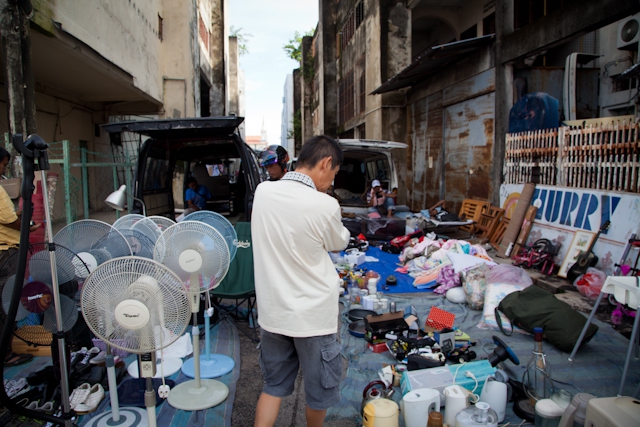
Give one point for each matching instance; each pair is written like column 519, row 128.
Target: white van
column 364, row 161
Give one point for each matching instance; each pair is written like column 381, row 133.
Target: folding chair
column 626, row 290
column 239, row 284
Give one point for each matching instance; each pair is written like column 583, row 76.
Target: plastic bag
column 505, row 273
column 590, row 283
column 474, row 284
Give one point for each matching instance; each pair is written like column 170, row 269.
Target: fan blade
column 7, row 293
column 221, row 224
column 69, row 312
column 149, row 228
column 127, row 221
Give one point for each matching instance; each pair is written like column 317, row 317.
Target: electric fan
column 142, row 246
column 125, row 222
column 221, row 224
column 161, row 221
column 199, row 255
column 93, row 241
column 137, row 305
column 35, row 318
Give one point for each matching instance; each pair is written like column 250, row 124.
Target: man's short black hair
column 4, row 154
column 317, row 148
column 191, row 179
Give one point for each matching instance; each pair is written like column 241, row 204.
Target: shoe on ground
column 79, row 395
column 93, row 400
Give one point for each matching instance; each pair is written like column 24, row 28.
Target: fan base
column 129, row 417
column 216, row 366
column 187, row 397
column 168, row 366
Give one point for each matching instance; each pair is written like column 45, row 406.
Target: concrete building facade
column 112, row 59
column 286, row 127
column 442, row 76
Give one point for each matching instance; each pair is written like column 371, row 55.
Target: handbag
column 534, row 306
column 12, row 186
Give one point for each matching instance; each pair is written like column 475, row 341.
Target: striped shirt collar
column 300, row 177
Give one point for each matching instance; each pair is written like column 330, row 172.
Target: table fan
column 161, row 221
column 221, row 224
column 140, row 306
column 126, row 221
column 93, row 241
column 199, row 255
column 35, row 318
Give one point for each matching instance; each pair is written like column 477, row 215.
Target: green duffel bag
column 534, row 306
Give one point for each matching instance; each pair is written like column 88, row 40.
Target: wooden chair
column 488, row 222
column 472, row 209
column 498, row 234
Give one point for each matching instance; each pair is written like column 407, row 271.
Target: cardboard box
column 377, row 326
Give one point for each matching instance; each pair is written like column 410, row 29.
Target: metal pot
column 356, row 314
column 371, row 393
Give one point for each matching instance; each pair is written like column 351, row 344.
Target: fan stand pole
column 210, row 366
column 196, row 350
column 113, row 386
column 64, row 380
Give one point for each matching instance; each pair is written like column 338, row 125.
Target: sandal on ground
column 15, row 359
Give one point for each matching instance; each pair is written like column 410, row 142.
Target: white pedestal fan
column 212, row 366
column 199, row 255
column 140, row 306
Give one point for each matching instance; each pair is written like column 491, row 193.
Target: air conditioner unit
column 629, row 33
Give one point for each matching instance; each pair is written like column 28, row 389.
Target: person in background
column 10, row 224
column 274, row 158
column 378, row 201
column 196, row 196
column 295, row 225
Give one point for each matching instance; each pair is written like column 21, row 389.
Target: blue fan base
column 216, row 366
column 129, row 417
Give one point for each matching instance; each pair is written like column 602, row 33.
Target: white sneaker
column 79, row 395
column 93, row 400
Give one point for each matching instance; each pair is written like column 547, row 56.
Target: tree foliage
column 294, row 47
column 243, row 39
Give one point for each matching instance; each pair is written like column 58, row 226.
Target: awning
column 629, row 73
column 431, row 61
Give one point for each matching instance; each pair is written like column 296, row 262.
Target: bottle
column 537, row 378
column 435, row 419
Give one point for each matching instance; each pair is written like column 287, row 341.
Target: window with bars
column 346, row 100
column 356, row 17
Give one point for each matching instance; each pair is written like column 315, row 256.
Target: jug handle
column 372, row 384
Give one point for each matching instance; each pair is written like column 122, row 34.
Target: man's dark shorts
column 318, row 357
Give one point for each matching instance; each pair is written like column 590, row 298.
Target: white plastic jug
column 417, row 404
column 456, row 399
column 495, row 394
column 575, row 413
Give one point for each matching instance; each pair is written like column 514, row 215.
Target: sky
column 271, row 23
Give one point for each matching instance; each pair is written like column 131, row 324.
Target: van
column 364, row 161
column 209, row 149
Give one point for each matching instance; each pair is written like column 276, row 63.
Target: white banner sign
column 562, row 211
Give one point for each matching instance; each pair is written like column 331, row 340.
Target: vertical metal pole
column 85, row 185
column 115, row 185
column 66, row 159
column 127, row 174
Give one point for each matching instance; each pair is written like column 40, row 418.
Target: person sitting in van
column 196, row 196
column 378, row 201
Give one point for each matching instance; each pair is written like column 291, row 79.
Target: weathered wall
column 219, row 49
column 327, row 56
column 306, row 87
column 108, row 26
column 233, row 76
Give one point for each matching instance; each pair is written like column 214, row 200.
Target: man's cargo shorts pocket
column 331, row 366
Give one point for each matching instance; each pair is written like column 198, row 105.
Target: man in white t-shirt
column 294, row 224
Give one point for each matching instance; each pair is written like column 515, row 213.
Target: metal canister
column 392, row 307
